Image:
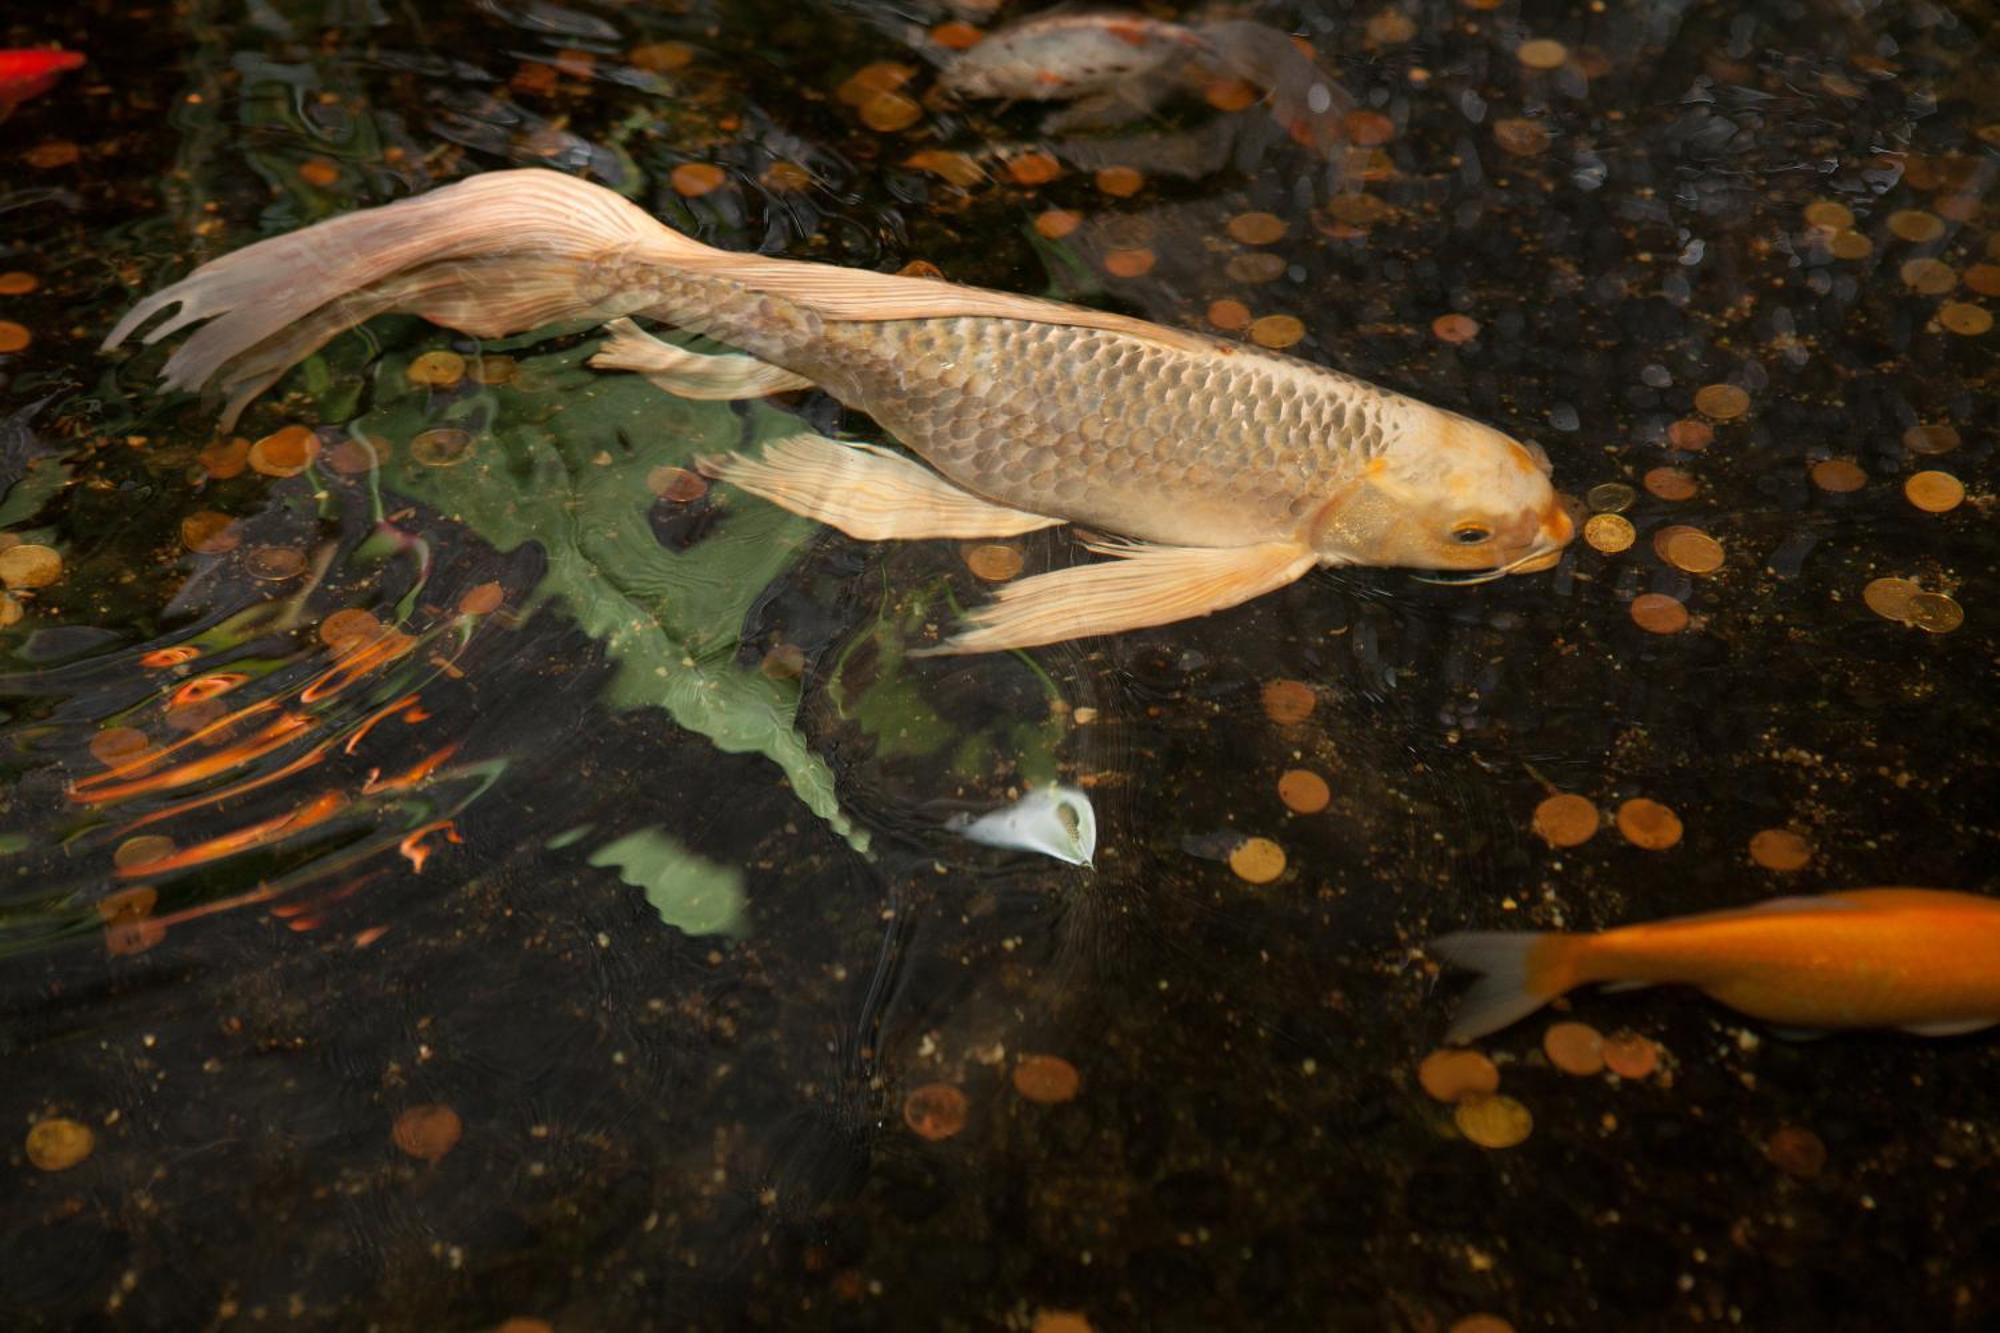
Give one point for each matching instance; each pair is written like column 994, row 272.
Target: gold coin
column 1963, row 317
column 1609, row 533
column 1257, row 860
column 1566, row 820
column 1825, row 213
column 1915, row 225
column 1723, row 402
column 444, row 446
column 30, row 566
column 59, row 1143
column 1850, row 245
column 1542, row 53
column 1934, row 492
column 1611, row 497
column 1658, row 613
column 1695, row 552
column 1256, row 228
column 1928, row 277
column 440, row 369
column 1935, row 613
column 1276, row 331
column 994, row 562
column 1890, row 598
column 1937, row 438
column 1493, row 1120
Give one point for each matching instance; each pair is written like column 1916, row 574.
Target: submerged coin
column 1695, row 552
column 1609, row 533
column 1934, row 492
column 445, row 446
column 1936, row 613
column 1610, row 497
column 1890, row 598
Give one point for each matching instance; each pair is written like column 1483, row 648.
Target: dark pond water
column 625, row 857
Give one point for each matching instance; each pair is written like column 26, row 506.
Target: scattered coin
column 1609, row 533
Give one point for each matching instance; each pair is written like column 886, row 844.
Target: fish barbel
column 1924, row 960
column 1231, row 471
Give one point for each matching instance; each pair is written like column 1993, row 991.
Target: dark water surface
column 629, row 845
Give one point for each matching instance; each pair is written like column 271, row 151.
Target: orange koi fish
column 25, row 74
column 1923, row 960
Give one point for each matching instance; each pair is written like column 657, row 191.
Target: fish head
column 1450, row 494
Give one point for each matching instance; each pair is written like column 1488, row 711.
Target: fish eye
column 1471, row 534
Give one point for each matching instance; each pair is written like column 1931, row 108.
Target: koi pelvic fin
column 1143, row 585
column 688, row 374
column 1523, row 970
column 868, row 492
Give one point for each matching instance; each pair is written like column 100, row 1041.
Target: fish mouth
column 1532, row 562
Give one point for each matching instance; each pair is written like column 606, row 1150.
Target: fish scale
column 1102, row 427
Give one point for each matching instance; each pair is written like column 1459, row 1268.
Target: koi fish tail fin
column 1523, row 970
column 493, row 255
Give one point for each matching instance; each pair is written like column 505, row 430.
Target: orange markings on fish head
column 1448, row 493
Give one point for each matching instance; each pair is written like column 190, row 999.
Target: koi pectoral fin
column 1144, row 585
column 688, row 374
column 869, row 493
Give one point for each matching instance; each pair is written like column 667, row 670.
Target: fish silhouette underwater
column 1227, row 471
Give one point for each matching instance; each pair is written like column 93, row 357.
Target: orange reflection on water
column 316, row 811
column 413, row 847
column 411, row 776
column 168, row 657
column 202, row 688
column 274, row 736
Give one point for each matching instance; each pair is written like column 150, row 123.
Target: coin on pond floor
column 1574, row 1048
column 438, row 370
column 1723, row 402
column 1287, row 702
column 1693, row 551
column 30, row 566
column 1566, row 820
column 428, row 1131
column 1257, row 860
column 1609, row 533
column 1304, row 791
column 1047, row 1079
column 445, row 446
column 1493, row 1120
column 59, row 1143
column 935, row 1111
column 1936, row 613
column 1454, row 1073
column 1657, row 613
column 1610, row 497
column 285, row 452
column 1671, row 483
column 274, row 564
column 1780, row 849
column 1934, row 438
column 1934, row 492
column 1839, row 476
column 1647, row 823
column 1890, row 598
column 1629, row 1055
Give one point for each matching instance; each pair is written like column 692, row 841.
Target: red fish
column 25, row 74
column 1924, row 960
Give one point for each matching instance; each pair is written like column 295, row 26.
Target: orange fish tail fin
column 1523, row 970
column 492, row 255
